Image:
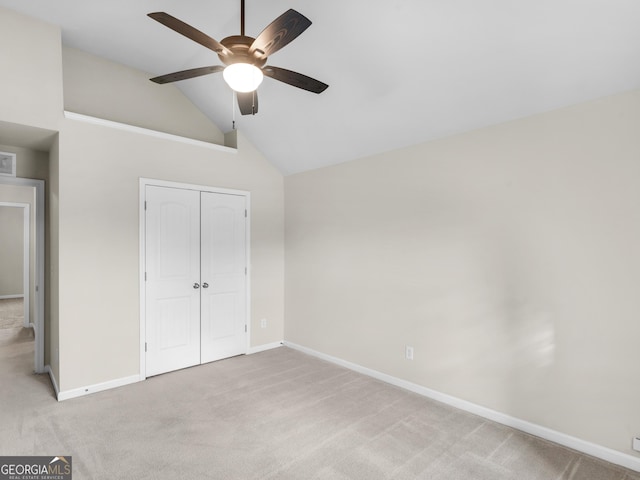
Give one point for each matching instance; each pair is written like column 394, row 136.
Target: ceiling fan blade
column 186, row 74
column 248, row 102
column 296, row 79
column 279, row 33
column 190, row 32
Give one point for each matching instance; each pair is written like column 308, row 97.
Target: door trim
column 144, row 182
column 39, row 280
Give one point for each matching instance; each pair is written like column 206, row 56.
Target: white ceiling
column 400, row 72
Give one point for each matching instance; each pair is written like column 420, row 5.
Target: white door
column 223, row 261
column 172, row 270
column 196, row 283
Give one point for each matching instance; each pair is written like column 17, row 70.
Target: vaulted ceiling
column 400, row 72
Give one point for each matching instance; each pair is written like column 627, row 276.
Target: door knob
column 196, row 285
column 205, row 285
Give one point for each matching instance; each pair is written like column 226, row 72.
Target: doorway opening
column 14, row 275
column 22, row 204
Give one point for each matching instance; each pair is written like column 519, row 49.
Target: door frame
column 144, row 182
column 39, row 280
column 26, row 260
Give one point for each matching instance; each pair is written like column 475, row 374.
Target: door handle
column 196, row 285
column 205, row 285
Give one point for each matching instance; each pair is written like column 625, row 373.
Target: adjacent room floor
column 280, row 415
column 11, row 318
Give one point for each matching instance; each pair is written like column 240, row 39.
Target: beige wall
column 108, row 90
column 98, row 235
column 11, row 251
column 31, row 66
column 507, row 257
column 31, row 163
column 52, row 263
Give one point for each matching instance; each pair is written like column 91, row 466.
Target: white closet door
column 173, row 279
column 223, row 263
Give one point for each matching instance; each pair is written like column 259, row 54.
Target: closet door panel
column 172, row 222
column 223, row 263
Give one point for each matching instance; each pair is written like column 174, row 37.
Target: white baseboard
column 598, row 451
column 9, row 297
column 98, row 387
column 263, row 348
column 47, row 369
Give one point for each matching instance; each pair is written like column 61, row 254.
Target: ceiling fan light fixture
column 243, row 77
column 245, row 57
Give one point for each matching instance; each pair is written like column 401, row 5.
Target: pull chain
column 233, row 109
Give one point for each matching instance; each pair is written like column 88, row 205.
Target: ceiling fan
column 245, row 57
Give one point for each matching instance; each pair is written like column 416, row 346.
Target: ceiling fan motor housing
column 239, row 46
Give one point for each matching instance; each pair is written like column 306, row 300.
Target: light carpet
column 278, row 414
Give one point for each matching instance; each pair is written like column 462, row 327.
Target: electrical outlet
column 263, row 323
column 408, row 352
column 636, row 444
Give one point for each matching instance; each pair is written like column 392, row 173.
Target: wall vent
column 8, row 164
